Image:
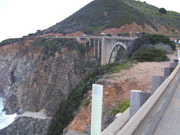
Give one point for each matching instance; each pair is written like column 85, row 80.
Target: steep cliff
column 36, row 75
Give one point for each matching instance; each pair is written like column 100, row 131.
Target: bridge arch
column 119, row 46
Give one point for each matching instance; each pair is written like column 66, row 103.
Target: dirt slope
column 117, row 87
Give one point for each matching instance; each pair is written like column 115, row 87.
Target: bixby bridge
column 104, row 47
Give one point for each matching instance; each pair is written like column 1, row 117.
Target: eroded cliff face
column 38, row 75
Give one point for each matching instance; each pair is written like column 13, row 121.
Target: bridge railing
column 145, row 120
column 92, row 37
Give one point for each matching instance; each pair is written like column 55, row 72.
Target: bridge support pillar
column 157, row 81
column 89, row 42
column 103, row 51
column 137, row 99
column 85, row 43
column 98, row 47
column 94, row 47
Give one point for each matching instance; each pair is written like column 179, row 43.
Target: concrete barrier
column 137, row 99
column 147, row 117
column 158, row 80
column 117, row 124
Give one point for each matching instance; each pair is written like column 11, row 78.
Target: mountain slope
column 105, row 14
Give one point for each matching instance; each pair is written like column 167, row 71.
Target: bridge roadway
column 170, row 121
column 94, row 37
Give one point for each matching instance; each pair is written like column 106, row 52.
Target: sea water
column 5, row 120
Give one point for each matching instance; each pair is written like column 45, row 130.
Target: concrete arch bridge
column 107, row 48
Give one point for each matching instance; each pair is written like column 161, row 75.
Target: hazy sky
column 21, row 17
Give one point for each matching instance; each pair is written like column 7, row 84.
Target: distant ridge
column 114, row 17
column 100, row 15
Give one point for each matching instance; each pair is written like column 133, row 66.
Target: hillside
column 102, row 15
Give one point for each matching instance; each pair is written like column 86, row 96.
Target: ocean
column 5, row 120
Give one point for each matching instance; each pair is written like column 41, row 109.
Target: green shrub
column 150, row 54
column 162, row 11
column 120, row 107
column 85, row 102
column 172, row 44
column 155, row 39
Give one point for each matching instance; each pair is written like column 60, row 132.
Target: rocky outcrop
column 27, row 126
column 38, row 76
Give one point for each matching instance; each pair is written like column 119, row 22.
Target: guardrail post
column 157, row 81
column 96, row 115
column 167, row 71
column 173, row 65
column 175, row 61
column 137, row 99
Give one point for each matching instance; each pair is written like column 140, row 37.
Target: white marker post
column 96, row 113
column 178, row 56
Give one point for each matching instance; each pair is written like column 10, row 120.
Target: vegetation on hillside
column 162, row 10
column 120, row 107
column 146, row 47
column 150, row 54
column 68, row 107
column 152, row 14
column 9, row 41
column 101, row 14
column 51, row 46
column 154, row 39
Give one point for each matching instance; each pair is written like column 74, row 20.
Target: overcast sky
column 21, row 17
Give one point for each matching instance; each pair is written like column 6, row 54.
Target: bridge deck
column 93, row 37
column 170, row 121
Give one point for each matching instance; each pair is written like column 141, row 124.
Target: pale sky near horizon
column 21, row 17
